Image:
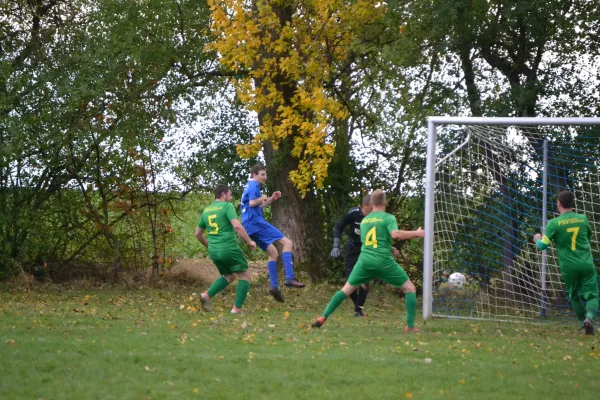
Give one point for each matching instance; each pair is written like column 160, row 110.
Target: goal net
column 491, row 185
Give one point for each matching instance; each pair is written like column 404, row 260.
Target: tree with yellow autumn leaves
column 285, row 52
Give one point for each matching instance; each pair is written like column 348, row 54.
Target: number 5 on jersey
column 213, row 224
column 371, row 239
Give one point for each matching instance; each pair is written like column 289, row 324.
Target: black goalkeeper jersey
column 352, row 218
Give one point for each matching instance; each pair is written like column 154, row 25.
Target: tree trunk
column 300, row 219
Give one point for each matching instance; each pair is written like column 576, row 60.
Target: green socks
column 591, row 307
column 241, row 292
column 410, row 300
column 337, row 299
column 579, row 308
column 218, row 285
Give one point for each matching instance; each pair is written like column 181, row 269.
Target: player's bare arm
column 200, row 236
column 242, row 233
column 269, row 200
column 406, row 235
column 258, row 201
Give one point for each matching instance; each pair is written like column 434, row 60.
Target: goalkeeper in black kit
column 353, row 219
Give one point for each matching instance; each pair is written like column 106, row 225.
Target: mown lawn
column 57, row 343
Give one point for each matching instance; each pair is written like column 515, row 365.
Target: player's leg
column 410, row 301
column 220, row 261
column 351, row 260
column 572, row 283
column 272, row 255
column 359, row 275
column 362, row 291
column 265, row 238
column 288, row 263
column 217, row 286
column 337, row 299
column 589, row 292
column 241, row 292
column 240, row 268
column 395, row 275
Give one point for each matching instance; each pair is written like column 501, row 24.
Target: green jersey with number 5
column 571, row 234
column 216, row 221
column 376, row 237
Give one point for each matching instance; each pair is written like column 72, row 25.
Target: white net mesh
column 488, row 205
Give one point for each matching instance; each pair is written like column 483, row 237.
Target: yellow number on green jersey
column 371, row 239
column 213, row 224
column 574, row 238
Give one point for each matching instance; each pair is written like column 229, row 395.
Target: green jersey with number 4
column 216, row 221
column 375, row 235
column 571, row 233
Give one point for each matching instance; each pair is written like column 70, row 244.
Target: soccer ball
column 457, row 281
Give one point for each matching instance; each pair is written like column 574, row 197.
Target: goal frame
column 431, row 164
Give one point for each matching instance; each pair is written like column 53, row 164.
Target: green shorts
column 581, row 283
column 387, row 270
column 230, row 261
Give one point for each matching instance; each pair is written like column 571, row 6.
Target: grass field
column 57, row 343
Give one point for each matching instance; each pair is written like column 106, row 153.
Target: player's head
column 566, row 200
column 378, row 199
column 366, row 206
column 222, row 192
column 259, row 173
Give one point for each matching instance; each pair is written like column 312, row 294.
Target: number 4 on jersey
column 371, row 239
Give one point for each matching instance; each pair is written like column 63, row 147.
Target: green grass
column 61, row 344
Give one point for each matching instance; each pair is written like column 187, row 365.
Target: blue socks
column 272, row 267
column 288, row 265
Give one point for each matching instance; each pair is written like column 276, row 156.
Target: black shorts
column 351, row 260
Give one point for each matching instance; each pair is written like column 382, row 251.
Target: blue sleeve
column 254, row 191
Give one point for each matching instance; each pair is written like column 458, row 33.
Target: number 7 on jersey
column 574, row 238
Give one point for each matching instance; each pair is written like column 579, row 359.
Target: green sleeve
column 391, row 223
column 549, row 232
column 230, row 212
column 541, row 245
column 589, row 233
column 201, row 223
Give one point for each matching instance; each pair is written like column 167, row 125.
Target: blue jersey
column 251, row 192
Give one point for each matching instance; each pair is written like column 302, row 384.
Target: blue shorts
column 263, row 233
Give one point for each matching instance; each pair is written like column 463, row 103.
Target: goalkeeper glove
column 335, row 252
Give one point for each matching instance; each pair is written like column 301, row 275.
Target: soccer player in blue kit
column 265, row 234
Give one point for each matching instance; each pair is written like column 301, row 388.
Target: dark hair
column 367, row 200
column 378, row 198
column 567, row 199
column 255, row 170
column 220, row 190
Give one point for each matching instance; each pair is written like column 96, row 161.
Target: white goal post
column 491, row 183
